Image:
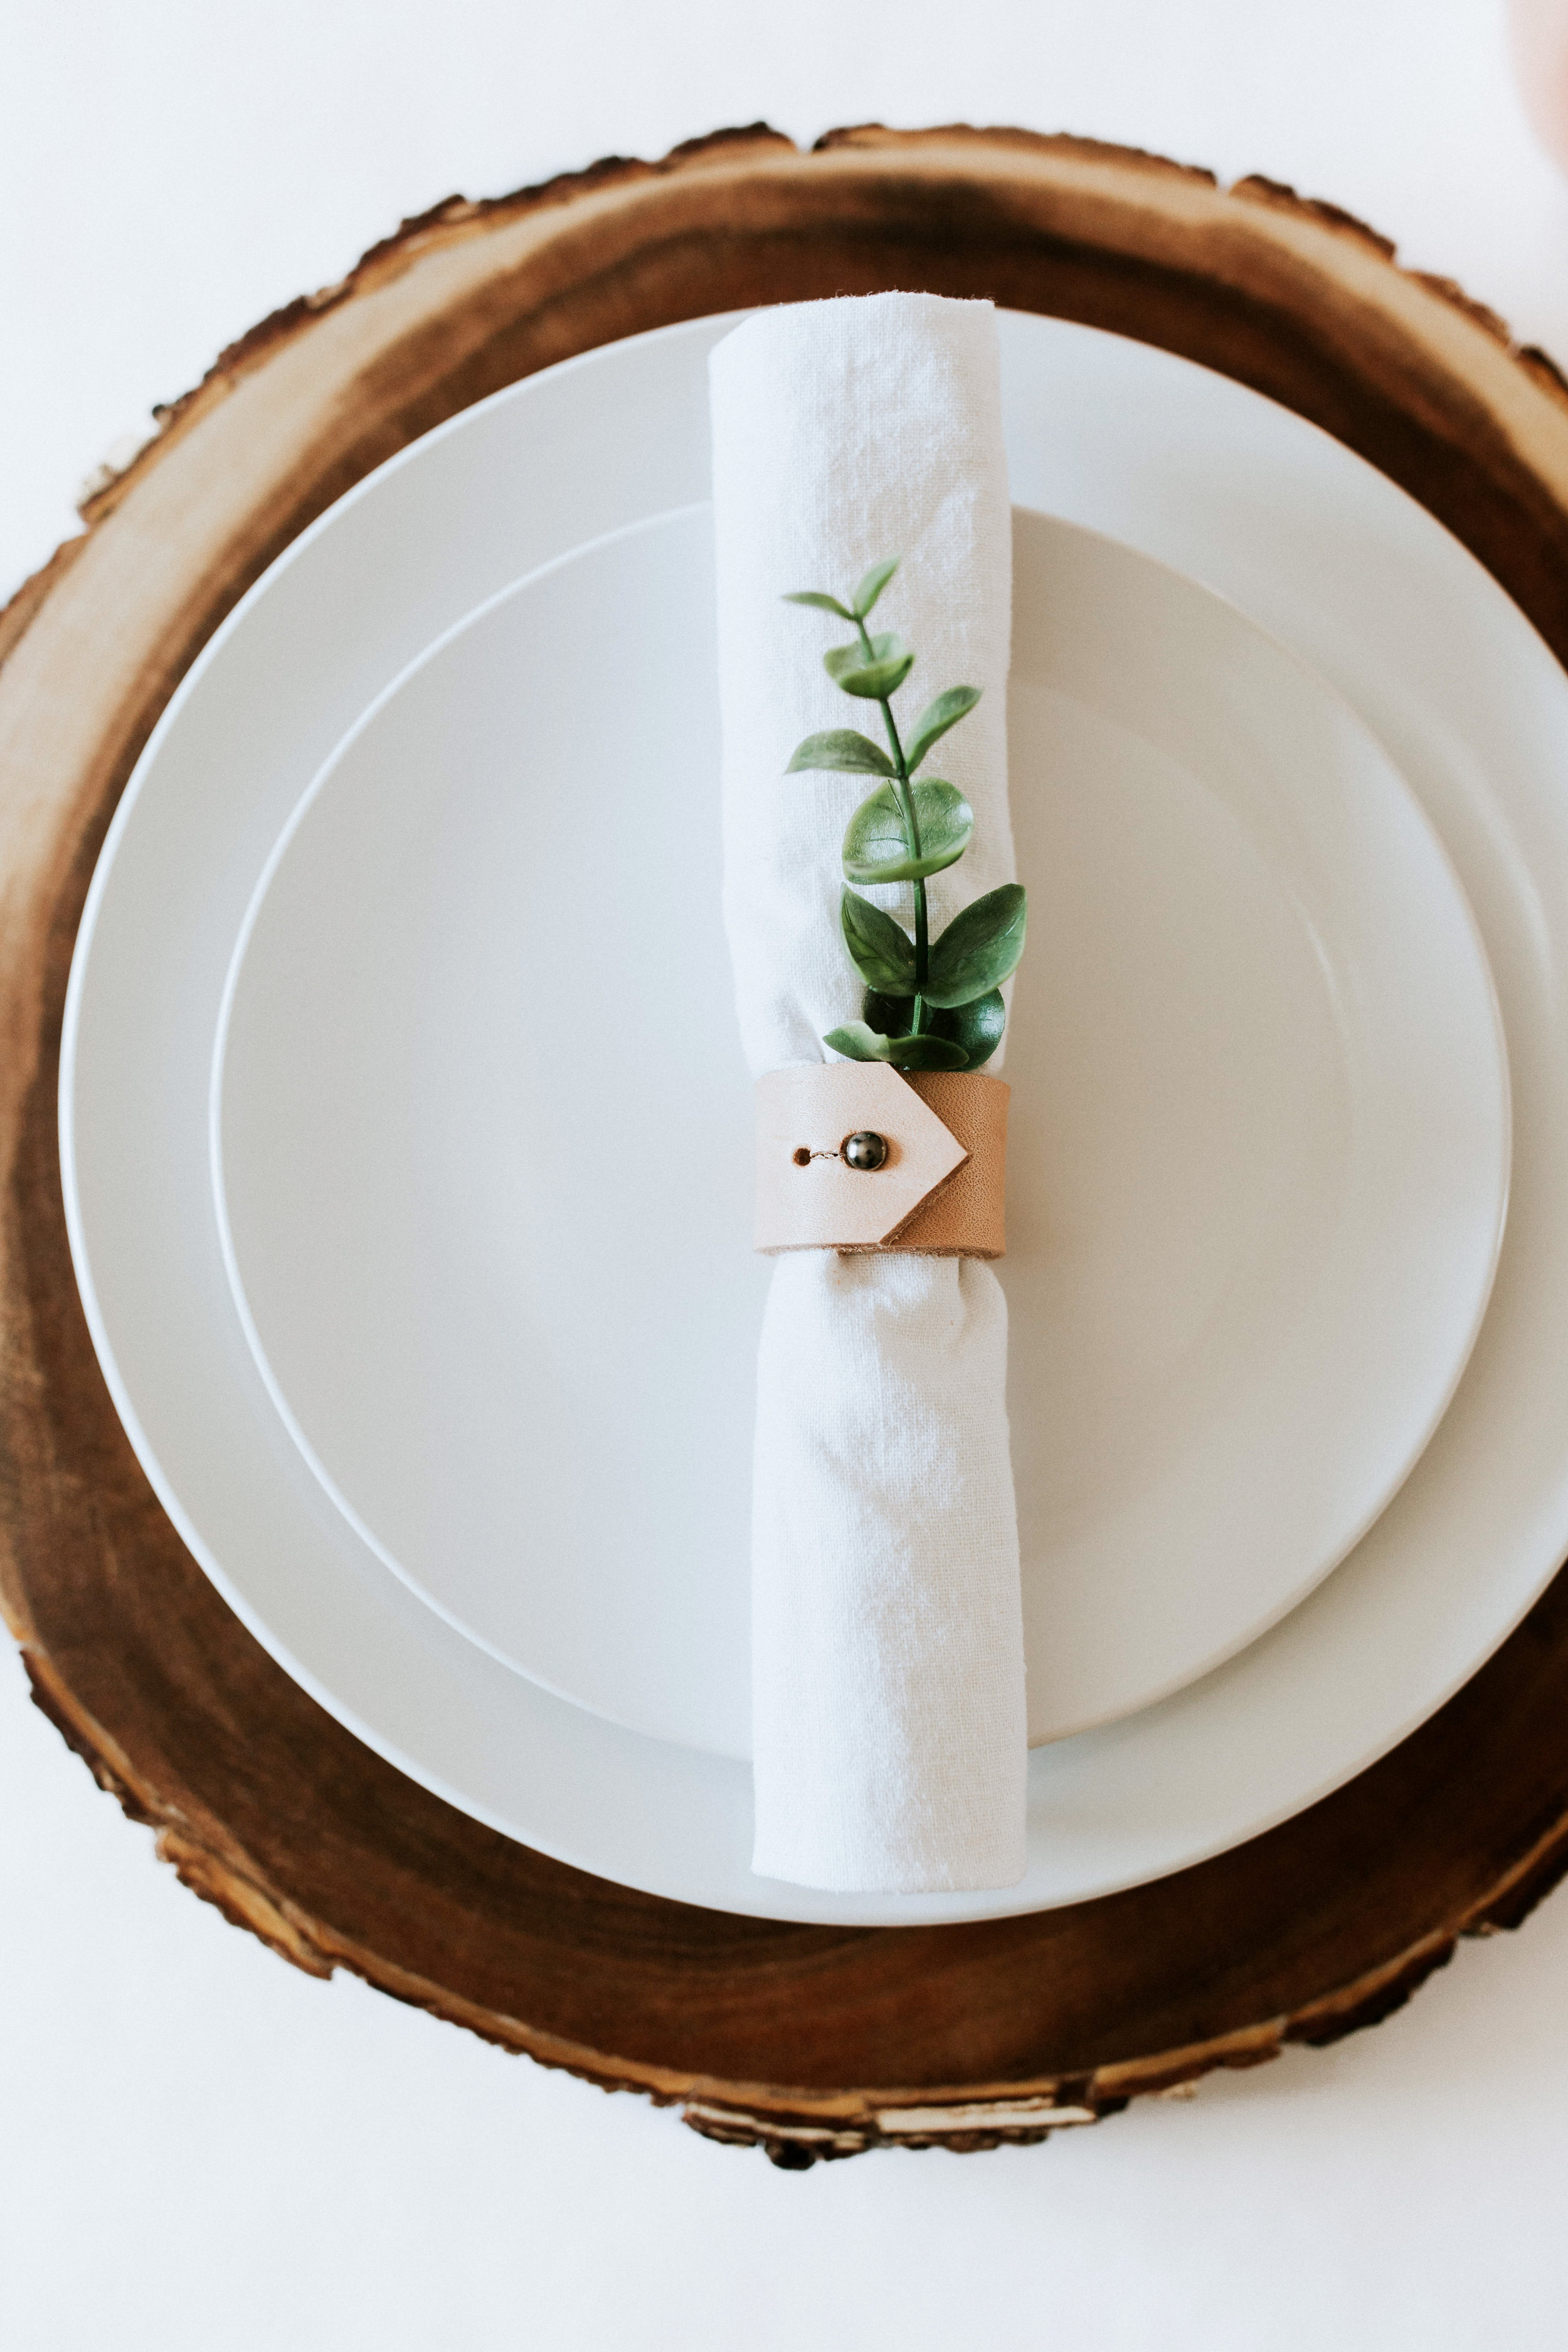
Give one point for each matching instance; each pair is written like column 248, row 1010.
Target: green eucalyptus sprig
column 929, row 1004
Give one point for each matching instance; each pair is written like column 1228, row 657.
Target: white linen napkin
column 888, row 1726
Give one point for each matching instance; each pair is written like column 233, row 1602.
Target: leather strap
column 939, row 1189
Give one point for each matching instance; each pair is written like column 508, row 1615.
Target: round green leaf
column 974, row 1029
column 882, row 953
column 979, row 948
column 873, row 679
column 876, row 680
column 859, row 1044
column 893, row 1015
column 926, row 1052
column 886, row 646
column 842, row 749
column 877, row 845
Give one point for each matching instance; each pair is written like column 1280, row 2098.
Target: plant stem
column 912, row 838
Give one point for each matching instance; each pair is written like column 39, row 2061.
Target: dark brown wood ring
column 812, row 2040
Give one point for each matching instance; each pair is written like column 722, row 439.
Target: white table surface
column 200, row 2148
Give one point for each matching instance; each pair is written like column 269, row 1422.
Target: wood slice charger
column 812, row 2040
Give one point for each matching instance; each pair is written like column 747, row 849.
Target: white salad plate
column 483, row 1153
column 1196, row 472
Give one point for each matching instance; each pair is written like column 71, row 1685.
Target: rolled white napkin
column 888, row 1726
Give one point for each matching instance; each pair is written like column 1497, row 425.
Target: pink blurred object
column 1538, row 37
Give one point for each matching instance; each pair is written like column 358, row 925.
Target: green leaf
column 813, row 596
column 876, row 680
column 926, row 1052
column 877, row 847
column 856, row 1042
column 843, row 749
column 860, row 1043
column 891, row 1015
column 936, row 719
column 979, row 948
column 890, row 663
column 976, row 1029
column 882, row 953
column 886, row 646
column 876, row 842
column 872, row 585
column 977, row 1026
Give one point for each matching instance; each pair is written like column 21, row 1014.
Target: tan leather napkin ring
column 854, row 1156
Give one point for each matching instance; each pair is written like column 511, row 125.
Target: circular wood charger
column 813, row 2041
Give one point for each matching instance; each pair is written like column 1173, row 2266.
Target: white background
column 200, row 2148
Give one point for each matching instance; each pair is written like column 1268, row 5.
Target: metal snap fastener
column 865, row 1150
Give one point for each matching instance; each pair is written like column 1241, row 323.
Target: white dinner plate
column 1196, row 471
column 1258, row 1159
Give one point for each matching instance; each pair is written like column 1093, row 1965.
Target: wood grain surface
column 812, row 2040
